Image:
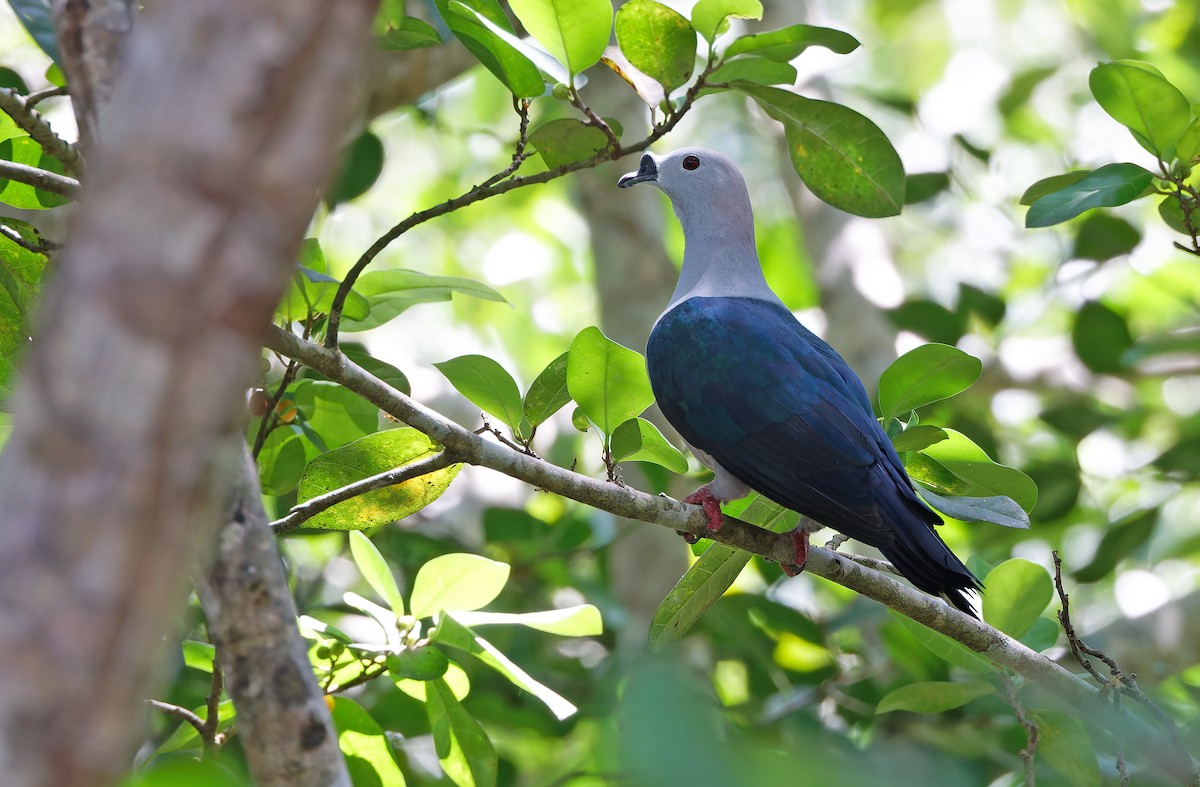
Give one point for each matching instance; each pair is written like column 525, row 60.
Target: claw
column 800, row 547
column 703, row 497
column 691, row 538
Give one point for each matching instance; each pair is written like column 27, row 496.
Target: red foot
column 704, row 497
column 800, row 545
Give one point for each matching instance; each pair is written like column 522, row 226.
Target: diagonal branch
column 622, row 501
column 21, row 110
column 42, row 179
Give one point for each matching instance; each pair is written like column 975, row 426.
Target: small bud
column 561, row 91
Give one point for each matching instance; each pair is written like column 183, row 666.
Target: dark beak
column 647, row 173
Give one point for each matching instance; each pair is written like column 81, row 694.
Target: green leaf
column 376, row 571
column 1139, row 98
column 840, row 155
column 421, row 663
column 1188, row 146
column 755, row 69
column 361, row 163
column 548, row 394
column 455, row 582
column 405, row 34
column 282, row 459
column 513, row 69
column 926, row 374
column 23, row 150
column 924, row 186
column 455, row 677
column 1111, row 185
column 1064, row 743
column 185, row 734
column 1102, row 236
column 1051, row 185
column 981, row 475
column 638, row 440
column 711, row 17
column 607, row 381
column 915, row 438
column 658, row 41
column 787, row 44
column 1171, row 212
column 38, row 20
column 1042, row 635
column 1101, row 338
column 381, row 369
column 20, row 287
column 364, row 745
column 453, row 634
column 338, row 415
column 487, row 385
column 575, row 32
column 934, row 696
column 998, row 509
column 313, row 289
column 1119, row 541
column 940, row 645
column 565, row 141
column 391, row 293
column 578, row 621
column 466, row 754
column 713, row 573
column 199, row 655
column 1015, row 594
column 368, row 456
column 312, row 628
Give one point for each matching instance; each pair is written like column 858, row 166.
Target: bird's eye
column 691, row 162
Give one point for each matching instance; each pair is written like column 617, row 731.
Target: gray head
column 706, row 190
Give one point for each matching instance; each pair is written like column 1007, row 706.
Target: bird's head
column 704, row 186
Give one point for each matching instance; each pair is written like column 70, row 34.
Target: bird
column 764, row 403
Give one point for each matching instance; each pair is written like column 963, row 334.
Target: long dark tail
column 919, row 553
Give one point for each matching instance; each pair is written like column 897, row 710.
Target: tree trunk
column 221, row 130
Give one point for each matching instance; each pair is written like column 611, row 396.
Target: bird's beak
column 647, row 173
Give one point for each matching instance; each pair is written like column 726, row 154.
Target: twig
column 478, row 193
column 38, row 96
column 489, row 429
column 595, row 121
column 269, row 417
column 42, row 246
column 179, row 713
column 521, row 106
column 32, row 123
column 1031, row 729
column 209, row 733
column 42, row 179
column 302, row 512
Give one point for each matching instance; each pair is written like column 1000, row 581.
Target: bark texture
column 221, row 129
column 282, row 718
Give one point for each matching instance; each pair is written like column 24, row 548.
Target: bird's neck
column 720, row 260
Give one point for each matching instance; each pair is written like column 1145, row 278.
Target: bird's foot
column 800, row 545
column 703, row 497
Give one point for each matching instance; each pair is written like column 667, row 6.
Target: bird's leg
column 703, row 497
column 800, row 545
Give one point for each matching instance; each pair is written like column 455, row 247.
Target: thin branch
column 38, row 96
column 1031, row 729
column 302, row 512
column 209, row 733
column 521, row 106
column 495, row 188
column 41, row 246
column 289, row 374
column 179, row 713
column 623, row 501
column 42, row 179
column 21, row 110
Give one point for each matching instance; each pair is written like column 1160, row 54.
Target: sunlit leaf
column 926, row 374
column 917, row 437
column 376, row 571
column 755, row 69
column 579, row 621
column 548, row 393
column 787, row 44
column 566, row 141
column 335, row 413
column 648, row 89
column 361, row 163
column 1015, row 594
column 1111, row 185
column 366, row 457
column 487, row 385
column 575, row 32
column 711, row 17
column 638, row 440
column 1142, row 100
column 840, row 155
column 983, row 476
column 463, row 748
column 282, row 460
column 497, row 55
column 199, row 655
column 364, row 745
column 933, row 696
column 457, row 582
column 658, row 41
column 390, row 293
column 607, row 381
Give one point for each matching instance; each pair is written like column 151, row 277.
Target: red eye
column 690, row 162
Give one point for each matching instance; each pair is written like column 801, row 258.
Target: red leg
column 800, row 545
column 704, row 497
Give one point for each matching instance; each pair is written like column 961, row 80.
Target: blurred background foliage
column 1091, row 385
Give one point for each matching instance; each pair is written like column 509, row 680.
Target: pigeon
column 767, row 405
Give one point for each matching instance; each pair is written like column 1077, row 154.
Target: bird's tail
column 919, row 553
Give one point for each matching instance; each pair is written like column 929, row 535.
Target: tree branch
column 21, row 110
column 622, row 501
column 302, row 512
column 40, row 179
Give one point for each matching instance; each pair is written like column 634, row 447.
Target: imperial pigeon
column 763, row 402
